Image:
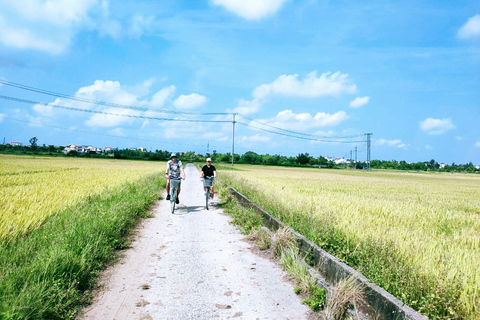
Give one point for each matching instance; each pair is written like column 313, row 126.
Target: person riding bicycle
column 209, row 173
column 174, row 171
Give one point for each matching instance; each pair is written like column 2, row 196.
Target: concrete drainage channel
column 329, row 270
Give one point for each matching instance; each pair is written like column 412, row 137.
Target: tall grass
column 46, row 271
column 416, row 235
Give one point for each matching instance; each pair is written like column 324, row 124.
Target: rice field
column 33, row 188
column 415, row 235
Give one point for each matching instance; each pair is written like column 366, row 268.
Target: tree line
column 250, row 157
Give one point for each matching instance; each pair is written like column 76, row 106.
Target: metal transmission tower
column 233, row 137
column 368, row 150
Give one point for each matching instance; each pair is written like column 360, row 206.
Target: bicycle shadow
column 182, row 209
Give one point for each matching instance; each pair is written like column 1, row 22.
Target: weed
column 316, row 301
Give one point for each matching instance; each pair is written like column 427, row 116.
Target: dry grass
column 346, row 293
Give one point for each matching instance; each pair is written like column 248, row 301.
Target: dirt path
column 193, row 265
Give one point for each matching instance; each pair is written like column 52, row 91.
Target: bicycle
column 174, row 185
column 207, row 183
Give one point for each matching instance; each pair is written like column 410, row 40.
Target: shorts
column 175, row 183
column 208, row 182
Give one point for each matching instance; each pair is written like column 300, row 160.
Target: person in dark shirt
column 209, row 173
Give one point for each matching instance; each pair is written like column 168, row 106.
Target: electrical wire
column 105, row 113
column 296, row 132
column 102, row 103
column 105, row 134
column 289, row 135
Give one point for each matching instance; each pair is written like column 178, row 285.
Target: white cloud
column 1, row 116
column 477, row 144
column 246, row 107
column 189, row 101
column 159, row 98
column 251, row 9
column 459, row 138
column 428, row 147
column 471, row 29
column 110, row 120
column 436, row 126
column 328, row 84
column 51, row 25
column 358, row 102
column 255, row 138
column 23, row 38
column 392, row 143
column 59, row 12
column 303, row 121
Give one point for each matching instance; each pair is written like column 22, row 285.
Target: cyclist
column 209, row 171
column 174, row 170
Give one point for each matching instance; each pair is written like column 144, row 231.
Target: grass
column 47, row 272
column 33, row 188
column 415, row 235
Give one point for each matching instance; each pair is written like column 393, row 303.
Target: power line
column 289, row 135
column 105, row 113
column 105, row 134
column 298, row 133
column 102, row 103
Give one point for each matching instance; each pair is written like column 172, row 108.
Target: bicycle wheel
column 173, row 198
column 207, row 196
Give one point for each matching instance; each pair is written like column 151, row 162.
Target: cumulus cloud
column 471, row 29
column 50, row 26
column 359, row 101
column 246, row 107
column 477, row 144
column 391, row 143
column 189, row 101
column 328, row 84
column 250, row 9
column 159, row 98
column 303, row 121
column 436, row 126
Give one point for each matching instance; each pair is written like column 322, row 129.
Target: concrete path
column 193, row 265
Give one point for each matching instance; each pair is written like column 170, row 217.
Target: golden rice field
column 416, row 235
column 33, row 188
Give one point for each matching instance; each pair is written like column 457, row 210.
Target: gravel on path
column 193, row 265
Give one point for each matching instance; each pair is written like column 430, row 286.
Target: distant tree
column 33, row 142
column 303, row 158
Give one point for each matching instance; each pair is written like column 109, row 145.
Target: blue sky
column 406, row 71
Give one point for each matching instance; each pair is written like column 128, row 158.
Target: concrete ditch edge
column 384, row 304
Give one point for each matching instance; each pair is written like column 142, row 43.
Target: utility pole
column 351, row 157
column 368, row 150
column 208, row 146
column 233, row 137
column 355, row 154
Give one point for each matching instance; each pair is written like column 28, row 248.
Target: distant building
column 340, row 161
column 143, row 149
column 15, row 144
column 108, row 149
column 442, row 165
